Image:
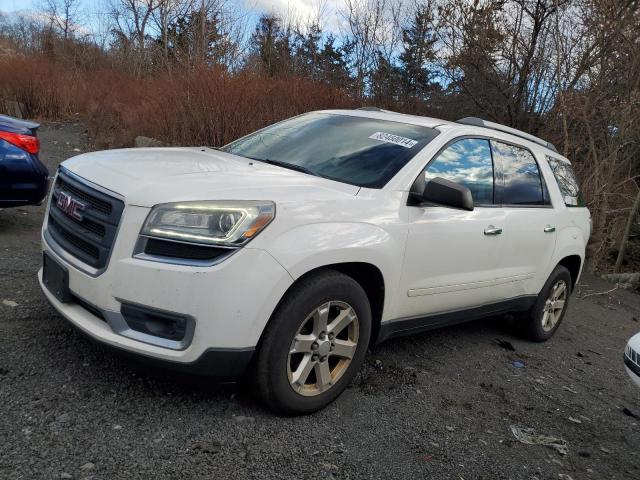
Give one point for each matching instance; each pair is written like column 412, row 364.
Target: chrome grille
column 90, row 235
column 633, row 355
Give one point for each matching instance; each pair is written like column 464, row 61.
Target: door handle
column 491, row 230
column 549, row 229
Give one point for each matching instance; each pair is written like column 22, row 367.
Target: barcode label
column 397, row 139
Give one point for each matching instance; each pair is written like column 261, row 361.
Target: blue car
column 23, row 177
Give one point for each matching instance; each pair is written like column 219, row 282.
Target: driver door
column 452, row 255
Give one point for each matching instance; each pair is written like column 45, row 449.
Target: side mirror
column 440, row 191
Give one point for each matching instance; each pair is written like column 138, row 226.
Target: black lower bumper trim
column 217, row 363
column 221, row 364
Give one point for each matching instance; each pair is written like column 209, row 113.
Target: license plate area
column 56, row 278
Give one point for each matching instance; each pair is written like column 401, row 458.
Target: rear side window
column 467, row 162
column 567, row 181
column 521, row 180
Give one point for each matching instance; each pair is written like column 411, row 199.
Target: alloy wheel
column 323, row 348
column 554, row 305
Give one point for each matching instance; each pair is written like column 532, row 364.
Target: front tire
column 541, row 322
column 314, row 344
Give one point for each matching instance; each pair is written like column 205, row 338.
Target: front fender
column 311, row 246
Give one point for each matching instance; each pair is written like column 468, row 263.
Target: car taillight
column 26, row 142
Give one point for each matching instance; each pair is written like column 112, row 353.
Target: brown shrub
column 194, row 107
column 45, row 89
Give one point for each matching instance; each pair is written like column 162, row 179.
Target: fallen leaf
column 504, row 344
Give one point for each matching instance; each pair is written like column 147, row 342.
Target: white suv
column 287, row 253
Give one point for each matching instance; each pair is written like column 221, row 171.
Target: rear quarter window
column 567, row 181
column 522, row 183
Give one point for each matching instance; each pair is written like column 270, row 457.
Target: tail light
column 28, row 143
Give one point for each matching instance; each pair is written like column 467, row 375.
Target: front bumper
column 633, row 370
column 230, row 303
column 219, row 363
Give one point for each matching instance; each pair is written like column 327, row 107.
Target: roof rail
column 478, row 122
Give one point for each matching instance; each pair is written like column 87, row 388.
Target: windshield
column 360, row 151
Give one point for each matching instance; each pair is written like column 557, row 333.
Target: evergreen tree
column 271, row 44
column 185, row 42
column 306, row 52
column 332, row 64
column 385, row 83
column 419, row 40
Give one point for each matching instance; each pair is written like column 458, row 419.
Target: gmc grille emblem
column 70, row 205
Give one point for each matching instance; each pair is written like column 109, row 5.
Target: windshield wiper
column 290, row 166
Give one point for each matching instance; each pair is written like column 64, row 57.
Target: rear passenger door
column 529, row 232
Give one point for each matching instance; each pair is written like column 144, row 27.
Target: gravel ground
column 437, row 405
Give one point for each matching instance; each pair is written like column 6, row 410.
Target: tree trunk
column 625, row 237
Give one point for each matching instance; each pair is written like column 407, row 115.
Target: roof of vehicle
column 374, row 112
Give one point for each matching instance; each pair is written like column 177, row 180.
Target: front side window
column 567, row 181
column 467, row 162
column 366, row 152
column 521, row 180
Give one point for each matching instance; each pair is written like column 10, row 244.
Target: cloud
column 302, row 11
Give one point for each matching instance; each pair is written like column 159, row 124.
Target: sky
column 302, row 8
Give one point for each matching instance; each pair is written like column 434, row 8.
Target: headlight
column 214, row 223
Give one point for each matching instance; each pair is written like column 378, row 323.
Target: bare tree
column 64, row 16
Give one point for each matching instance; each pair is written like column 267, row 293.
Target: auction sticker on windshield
column 397, row 139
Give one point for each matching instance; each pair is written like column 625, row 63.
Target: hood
column 148, row 176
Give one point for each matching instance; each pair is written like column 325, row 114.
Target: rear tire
column 314, row 344
column 540, row 323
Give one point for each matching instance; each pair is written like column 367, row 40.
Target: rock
column 243, row 419
column 88, row 466
column 117, row 427
column 9, row 303
column 624, row 280
column 213, row 446
column 64, row 418
column 329, row 467
column 574, row 420
column 146, row 142
column 564, row 476
column 449, row 429
column 65, row 475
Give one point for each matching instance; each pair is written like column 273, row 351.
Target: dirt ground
column 436, row 406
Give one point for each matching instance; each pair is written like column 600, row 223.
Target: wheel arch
column 573, row 263
column 371, row 279
column 367, row 275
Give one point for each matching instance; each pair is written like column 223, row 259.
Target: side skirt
column 411, row 325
